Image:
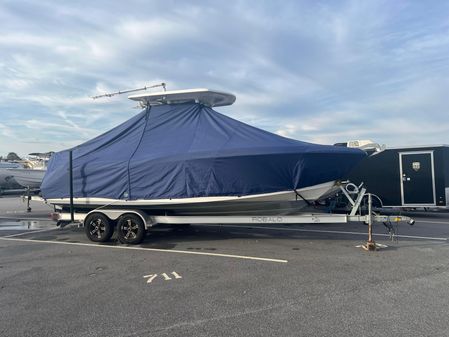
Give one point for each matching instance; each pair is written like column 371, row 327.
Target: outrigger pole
column 72, row 212
column 130, row 90
column 72, row 215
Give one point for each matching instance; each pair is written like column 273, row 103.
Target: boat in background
column 181, row 157
column 29, row 178
column 7, row 180
column 31, row 171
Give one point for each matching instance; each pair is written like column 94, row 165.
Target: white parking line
column 326, row 231
column 27, row 219
column 147, row 249
column 426, row 221
column 31, row 232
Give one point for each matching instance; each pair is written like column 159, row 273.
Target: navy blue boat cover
column 190, row 150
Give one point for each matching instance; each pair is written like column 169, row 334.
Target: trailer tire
column 130, row 229
column 98, row 227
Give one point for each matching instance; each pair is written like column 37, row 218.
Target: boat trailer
column 132, row 224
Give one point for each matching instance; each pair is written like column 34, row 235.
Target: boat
column 7, row 180
column 31, row 171
column 30, row 178
column 179, row 156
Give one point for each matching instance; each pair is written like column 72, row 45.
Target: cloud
column 316, row 71
column 6, row 131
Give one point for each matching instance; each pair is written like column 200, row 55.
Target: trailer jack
column 371, row 217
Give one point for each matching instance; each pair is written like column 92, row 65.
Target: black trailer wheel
column 130, row 229
column 98, row 227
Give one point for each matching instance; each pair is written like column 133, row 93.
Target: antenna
column 163, row 85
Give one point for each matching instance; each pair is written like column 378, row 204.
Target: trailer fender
column 114, row 214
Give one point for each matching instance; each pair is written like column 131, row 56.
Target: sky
column 317, row 71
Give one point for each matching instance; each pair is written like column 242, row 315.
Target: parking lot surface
column 224, row 280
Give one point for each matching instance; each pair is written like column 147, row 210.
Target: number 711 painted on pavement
column 166, row 276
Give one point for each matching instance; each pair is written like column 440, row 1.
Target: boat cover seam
column 147, row 117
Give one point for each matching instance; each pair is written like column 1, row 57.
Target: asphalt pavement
column 230, row 280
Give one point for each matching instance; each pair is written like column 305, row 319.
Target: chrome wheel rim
column 129, row 229
column 97, row 228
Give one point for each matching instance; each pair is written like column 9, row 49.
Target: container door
column 417, row 178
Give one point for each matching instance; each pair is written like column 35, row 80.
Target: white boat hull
column 285, row 202
column 28, row 177
column 7, row 179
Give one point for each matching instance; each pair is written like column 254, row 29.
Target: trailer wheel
column 98, row 227
column 130, row 229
